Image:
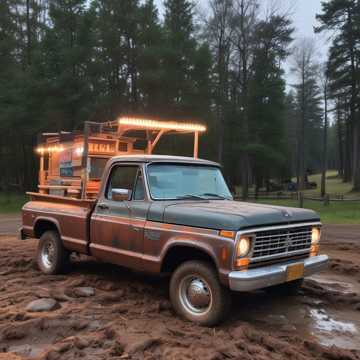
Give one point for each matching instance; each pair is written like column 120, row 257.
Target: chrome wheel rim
column 195, row 295
column 48, row 254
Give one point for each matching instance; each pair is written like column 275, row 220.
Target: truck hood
column 226, row 214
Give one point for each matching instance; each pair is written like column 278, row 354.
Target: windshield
column 176, row 181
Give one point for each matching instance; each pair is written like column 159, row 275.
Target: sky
column 303, row 14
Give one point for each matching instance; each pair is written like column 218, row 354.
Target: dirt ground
column 127, row 315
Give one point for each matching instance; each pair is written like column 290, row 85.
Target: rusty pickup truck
column 176, row 215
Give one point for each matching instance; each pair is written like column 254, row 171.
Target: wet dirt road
column 9, row 224
column 106, row 312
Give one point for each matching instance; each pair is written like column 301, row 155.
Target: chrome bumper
column 266, row 276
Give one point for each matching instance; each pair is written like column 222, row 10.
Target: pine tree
column 343, row 18
column 267, row 98
column 308, row 100
column 151, row 53
column 179, row 55
column 66, row 52
column 117, row 32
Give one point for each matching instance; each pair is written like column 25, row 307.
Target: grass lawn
column 334, row 185
column 335, row 213
column 11, row 202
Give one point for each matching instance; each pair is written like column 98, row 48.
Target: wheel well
column 179, row 254
column 42, row 226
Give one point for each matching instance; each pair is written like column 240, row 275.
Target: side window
column 121, row 177
column 139, row 192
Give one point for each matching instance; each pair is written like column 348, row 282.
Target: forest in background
column 63, row 62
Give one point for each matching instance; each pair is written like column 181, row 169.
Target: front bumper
column 266, row 276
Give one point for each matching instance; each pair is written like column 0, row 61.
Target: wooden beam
column 158, row 136
column 196, row 144
column 85, row 161
column 42, row 171
column 149, row 146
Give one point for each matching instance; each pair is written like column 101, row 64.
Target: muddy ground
column 127, row 316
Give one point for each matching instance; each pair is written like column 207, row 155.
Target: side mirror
column 120, row 194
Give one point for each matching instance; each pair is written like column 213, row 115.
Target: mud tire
column 59, row 260
column 220, row 296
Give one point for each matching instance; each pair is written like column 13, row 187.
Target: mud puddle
column 330, row 330
column 306, row 316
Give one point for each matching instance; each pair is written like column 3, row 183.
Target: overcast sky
column 303, row 14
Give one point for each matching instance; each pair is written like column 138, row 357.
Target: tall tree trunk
column 220, row 134
column 355, row 173
column 245, row 159
column 348, row 152
column 302, row 137
column 340, row 137
column 28, row 34
column 325, row 139
column 356, row 156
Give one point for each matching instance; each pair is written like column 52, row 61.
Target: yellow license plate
column 295, row 272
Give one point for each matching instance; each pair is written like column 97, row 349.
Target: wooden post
column 301, row 199
column 196, row 144
column 85, row 161
column 41, row 173
column 327, row 200
column 149, row 144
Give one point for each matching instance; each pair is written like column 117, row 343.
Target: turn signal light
column 242, row 264
column 314, row 250
column 228, row 234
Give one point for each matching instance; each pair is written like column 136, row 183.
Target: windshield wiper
column 214, row 195
column 189, row 196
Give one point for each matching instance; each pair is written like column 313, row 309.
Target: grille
column 272, row 243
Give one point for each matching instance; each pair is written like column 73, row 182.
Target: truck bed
column 70, row 216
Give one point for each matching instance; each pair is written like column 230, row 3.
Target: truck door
column 117, row 224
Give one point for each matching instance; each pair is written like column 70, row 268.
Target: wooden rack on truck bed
column 72, row 163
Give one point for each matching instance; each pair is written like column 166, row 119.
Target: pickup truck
column 176, row 215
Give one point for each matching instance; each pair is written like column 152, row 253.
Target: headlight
column 315, row 235
column 243, row 247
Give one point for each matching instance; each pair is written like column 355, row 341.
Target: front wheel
column 52, row 257
column 197, row 295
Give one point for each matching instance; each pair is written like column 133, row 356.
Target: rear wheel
column 52, row 257
column 197, row 295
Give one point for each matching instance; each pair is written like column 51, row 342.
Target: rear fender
column 48, row 220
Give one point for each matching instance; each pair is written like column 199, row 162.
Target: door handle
column 103, row 206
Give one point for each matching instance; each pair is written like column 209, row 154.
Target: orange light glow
column 224, row 254
column 227, row 234
column 161, row 125
column 314, row 250
column 79, row 150
column 50, row 149
column 242, row 263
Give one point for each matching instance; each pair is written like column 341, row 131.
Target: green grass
column 335, row 213
column 334, row 185
column 11, row 202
